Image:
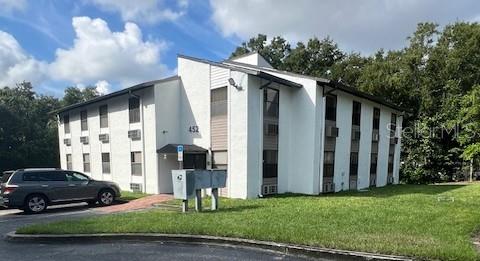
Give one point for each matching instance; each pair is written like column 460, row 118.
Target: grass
column 427, row 222
column 129, row 196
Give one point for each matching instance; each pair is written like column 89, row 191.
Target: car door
column 51, row 183
column 80, row 185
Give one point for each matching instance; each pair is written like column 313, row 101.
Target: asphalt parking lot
column 11, row 219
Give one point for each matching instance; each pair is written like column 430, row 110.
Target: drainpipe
column 144, row 172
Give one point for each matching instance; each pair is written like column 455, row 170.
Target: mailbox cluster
column 188, row 183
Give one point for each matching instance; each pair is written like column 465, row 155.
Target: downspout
column 143, row 142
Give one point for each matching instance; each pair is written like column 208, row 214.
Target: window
column 103, row 112
column 353, row 163
column 136, row 160
column 134, row 109
column 86, row 162
column 44, row 176
column 356, row 113
column 390, row 163
column 271, row 103
column 69, row 161
column 218, row 102
column 219, row 159
column 75, row 176
column 270, row 163
column 106, row 163
column 195, row 161
column 83, row 120
column 66, row 123
column 331, row 108
column 373, row 163
column 376, row 118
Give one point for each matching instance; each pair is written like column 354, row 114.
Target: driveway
column 116, row 251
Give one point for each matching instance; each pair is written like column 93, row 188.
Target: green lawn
column 432, row 222
column 129, row 196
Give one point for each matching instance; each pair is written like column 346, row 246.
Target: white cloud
column 149, row 11
column 100, row 54
column 8, row 6
column 103, row 87
column 357, row 25
column 16, row 65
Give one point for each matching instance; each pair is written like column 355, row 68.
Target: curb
column 208, row 240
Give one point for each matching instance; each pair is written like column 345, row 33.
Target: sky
column 113, row 44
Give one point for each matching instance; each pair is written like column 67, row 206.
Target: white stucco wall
column 119, row 145
column 344, row 140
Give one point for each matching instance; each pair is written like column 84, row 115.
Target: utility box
column 187, row 181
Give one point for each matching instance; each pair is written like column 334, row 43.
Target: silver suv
column 33, row 190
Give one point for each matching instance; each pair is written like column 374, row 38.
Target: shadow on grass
column 383, row 192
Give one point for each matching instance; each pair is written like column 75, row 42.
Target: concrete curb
column 208, row 240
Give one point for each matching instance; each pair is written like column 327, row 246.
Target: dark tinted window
column 356, row 113
column 134, row 109
column 83, row 120
column 103, row 111
column 75, row 176
column 376, row 118
column 44, row 176
column 331, row 108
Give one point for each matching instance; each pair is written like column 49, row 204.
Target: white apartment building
column 274, row 131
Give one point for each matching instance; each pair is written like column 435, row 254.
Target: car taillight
column 9, row 189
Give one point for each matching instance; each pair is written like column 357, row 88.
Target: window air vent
column 134, row 134
column 269, row 189
column 67, row 142
column 332, row 131
column 375, row 136
column 136, row 187
column 84, row 140
column 356, row 135
column 104, row 138
column 329, row 187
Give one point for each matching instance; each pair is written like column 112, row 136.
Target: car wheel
column 106, row 197
column 35, row 204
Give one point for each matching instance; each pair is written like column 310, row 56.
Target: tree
column 75, row 95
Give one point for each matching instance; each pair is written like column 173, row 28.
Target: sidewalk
column 141, row 203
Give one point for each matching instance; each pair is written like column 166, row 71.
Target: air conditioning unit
column 373, row 180
column 136, row 187
column 269, row 189
column 375, row 136
column 134, row 134
column 103, row 138
column 356, row 135
column 390, row 180
column 332, row 131
column 67, row 142
column 328, row 187
column 84, row 140
column 353, row 185
column 396, row 140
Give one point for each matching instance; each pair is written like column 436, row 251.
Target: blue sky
column 117, row 43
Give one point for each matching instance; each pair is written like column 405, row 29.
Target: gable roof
column 117, row 93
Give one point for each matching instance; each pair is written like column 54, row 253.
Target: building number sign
column 193, row 129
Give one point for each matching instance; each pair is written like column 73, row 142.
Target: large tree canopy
column 28, row 128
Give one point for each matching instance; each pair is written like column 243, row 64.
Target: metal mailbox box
column 183, row 184
column 186, row 181
column 219, row 178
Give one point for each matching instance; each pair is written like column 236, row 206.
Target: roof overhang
column 335, row 85
column 115, row 94
column 251, row 71
column 187, row 148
